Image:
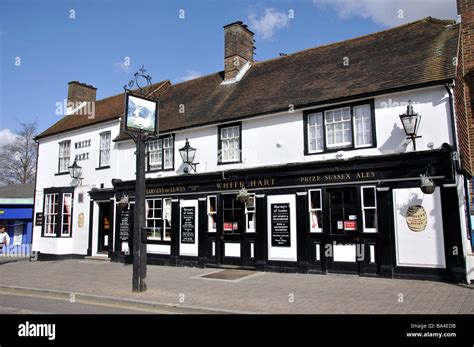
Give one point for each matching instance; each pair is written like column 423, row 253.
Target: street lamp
column 411, row 122
column 75, row 170
column 187, row 154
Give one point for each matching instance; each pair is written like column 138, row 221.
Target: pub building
column 295, row 164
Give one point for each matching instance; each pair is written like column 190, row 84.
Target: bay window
column 339, row 128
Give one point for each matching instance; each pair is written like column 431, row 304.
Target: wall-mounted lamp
column 187, row 154
column 75, row 171
column 411, row 122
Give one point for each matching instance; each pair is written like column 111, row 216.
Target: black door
column 232, row 230
column 104, row 227
column 342, row 230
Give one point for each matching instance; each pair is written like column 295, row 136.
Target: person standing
column 4, row 238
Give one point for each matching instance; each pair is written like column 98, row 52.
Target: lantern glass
column 187, row 153
column 75, row 170
column 409, row 123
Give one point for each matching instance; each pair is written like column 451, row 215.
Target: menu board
column 124, row 224
column 188, row 225
column 281, row 236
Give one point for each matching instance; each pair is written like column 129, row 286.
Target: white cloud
column 391, row 12
column 190, row 75
column 6, row 137
column 121, row 67
column 271, row 21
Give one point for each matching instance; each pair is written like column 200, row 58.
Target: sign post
column 141, row 124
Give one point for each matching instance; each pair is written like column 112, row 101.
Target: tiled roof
column 417, row 53
column 105, row 110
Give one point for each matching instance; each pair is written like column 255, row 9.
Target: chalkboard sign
column 39, row 219
column 124, row 224
column 188, row 225
column 280, row 225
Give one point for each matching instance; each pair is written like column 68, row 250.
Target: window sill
column 61, row 173
column 159, row 170
column 158, row 242
column 229, row 162
column 103, row 167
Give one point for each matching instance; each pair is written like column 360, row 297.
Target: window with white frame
column 315, row 132
column 350, row 126
column 362, row 126
column 315, row 211
column 104, row 154
column 66, row 215
column 155, row 154
column 250, row 214
column 64, row 156
column 338, row 127
column 51, row 217
column 57, row 212
column 369, row 209
column 168, row 153
column 212, row 213
column 161, row 154
column 158, row 219
column 229, row 144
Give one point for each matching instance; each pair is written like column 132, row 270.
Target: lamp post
column 411, row 121
column 187, row 154
column 75, row 171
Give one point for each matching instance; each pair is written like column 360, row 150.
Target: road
column 38, row 304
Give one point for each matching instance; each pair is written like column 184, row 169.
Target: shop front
column 364, row 216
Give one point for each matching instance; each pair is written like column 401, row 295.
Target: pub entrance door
column 232, row 230
column 342, row 231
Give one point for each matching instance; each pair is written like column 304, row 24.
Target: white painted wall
column 423, row 248
column 92, row 178
column 260, row 137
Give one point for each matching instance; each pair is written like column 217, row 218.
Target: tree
column 18, row 159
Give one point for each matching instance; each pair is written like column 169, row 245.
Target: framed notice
column 124, row 224
column 39, row 219
column 188, row 224
column 280, row 225
column 141, row 114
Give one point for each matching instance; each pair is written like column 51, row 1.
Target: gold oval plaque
column 416, row 218
column 80, row 220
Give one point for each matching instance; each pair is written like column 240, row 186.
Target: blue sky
column 55, row 41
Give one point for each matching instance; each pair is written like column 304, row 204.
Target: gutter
column 457, row 161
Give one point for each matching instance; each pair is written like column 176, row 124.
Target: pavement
column 184, row 290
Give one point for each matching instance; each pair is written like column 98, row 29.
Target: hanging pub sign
column 188, row 225
column 280, row 225
column 141, row 114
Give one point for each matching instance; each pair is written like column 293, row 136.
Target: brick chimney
column 464, row 86
column 238, row 48
column 80, row 92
